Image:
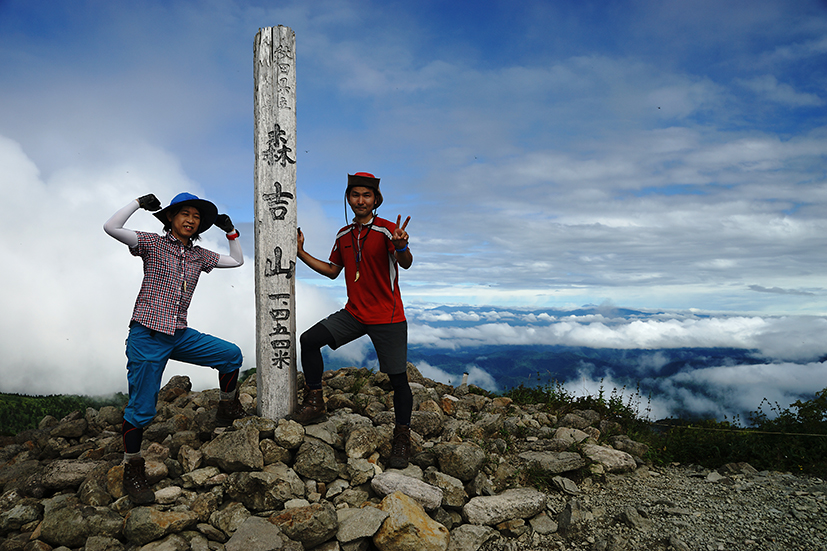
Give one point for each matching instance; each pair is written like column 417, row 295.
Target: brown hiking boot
column 135, row 483
column 312, row 408
column 401, row 447
column 228, row 411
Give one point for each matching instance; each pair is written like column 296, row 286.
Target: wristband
column 234, row 235
column 402, row 250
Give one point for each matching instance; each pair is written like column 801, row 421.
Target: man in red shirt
column 370, row 250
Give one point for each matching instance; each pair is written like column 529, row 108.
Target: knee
column 236, row 357
column 230, row 359
column 308, row 342
column 139, row 415
column 399, row 382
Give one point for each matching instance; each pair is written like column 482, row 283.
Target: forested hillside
column 20, row 412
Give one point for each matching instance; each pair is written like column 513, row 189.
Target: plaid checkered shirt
column 171, row 271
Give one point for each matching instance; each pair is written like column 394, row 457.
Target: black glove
column 149, row 202
column 223, row 221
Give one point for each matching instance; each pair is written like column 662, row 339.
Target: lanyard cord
column 359, row 241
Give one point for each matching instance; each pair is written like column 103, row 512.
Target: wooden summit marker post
column 275, row 220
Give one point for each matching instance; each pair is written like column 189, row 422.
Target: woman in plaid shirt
column 158, row 329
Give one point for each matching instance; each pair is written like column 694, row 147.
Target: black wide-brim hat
column 207, row 210
column 365, row 179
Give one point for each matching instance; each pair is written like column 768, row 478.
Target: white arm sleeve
column 114, row 226
column 235, row 259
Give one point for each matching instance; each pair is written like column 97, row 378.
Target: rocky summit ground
column 689, row 508
column 486, row 475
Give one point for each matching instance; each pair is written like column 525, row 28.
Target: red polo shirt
column 374, row 296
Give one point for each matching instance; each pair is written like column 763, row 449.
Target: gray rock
column 94, row 490
column 273, row 453
column 361, row 442
column 453, row 492
column 626, row 444
column 543, row 524
column 326, row 432
column 257, row 534
column 229, row 517
column 572, row 518
column 69, row 523
column 189, row 458
column 481, row 486
column 462, row 461
column 614, row 461
column 102, row 543
column 553, row 462
column 234, row 451
column 430, row 497
column 28, row 510
column 67, row 473
column 355, row 524
column 511, row 504
column 70, row 429
column 311, row 525
column 427, row 423
column 632, row 518
column 470, row 537
column 565, row 485
column 489, row 423
column 146, row 524
column 173, row 542
column 569, row 436
column 199, row 477
column 265, row 490
column 574, row 421
column 289, row 434
column 265, row 427
column 360, row 471
column 317, row 460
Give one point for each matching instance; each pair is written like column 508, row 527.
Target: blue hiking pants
column 147, row 353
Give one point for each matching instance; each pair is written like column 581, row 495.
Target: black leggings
column 318, row 336
column 312, row 342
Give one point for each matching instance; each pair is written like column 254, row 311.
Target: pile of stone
column 263, row 484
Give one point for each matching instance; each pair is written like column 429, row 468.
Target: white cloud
column 791, row 338
column 769, row 87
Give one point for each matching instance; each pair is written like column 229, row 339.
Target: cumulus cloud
column 71, row 288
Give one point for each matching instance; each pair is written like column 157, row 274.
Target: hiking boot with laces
column 228, row 411
column 401, row 450
column 312, row 408
column 135, row 483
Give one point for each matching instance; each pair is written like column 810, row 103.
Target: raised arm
column 319, row 266
column 400, row 243
column 236, row 257
column 114, row 226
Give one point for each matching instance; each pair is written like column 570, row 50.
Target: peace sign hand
column 400, row 236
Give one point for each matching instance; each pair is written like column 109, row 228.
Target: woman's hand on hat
column 223, row 221
column 149, row 202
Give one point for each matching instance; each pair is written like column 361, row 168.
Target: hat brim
column 206, row 209
column 358, row 180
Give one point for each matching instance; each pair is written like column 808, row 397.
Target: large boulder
column 408, row 527
column 234, row 451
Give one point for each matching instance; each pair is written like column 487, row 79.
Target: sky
column 661, row 155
